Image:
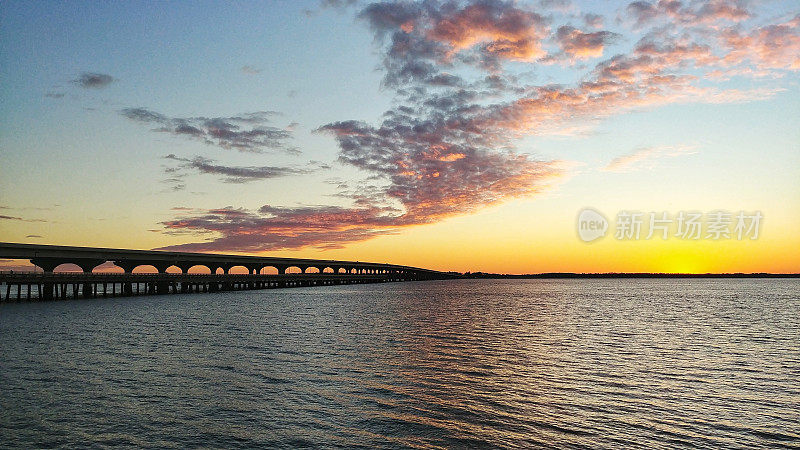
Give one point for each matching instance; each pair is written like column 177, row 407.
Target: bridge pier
column 127, row 287
column 46, row 291
column 162, row 287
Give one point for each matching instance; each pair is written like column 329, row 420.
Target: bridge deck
column 48, row 257
column 51, row 286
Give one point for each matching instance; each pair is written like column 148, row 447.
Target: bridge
column 50, row 285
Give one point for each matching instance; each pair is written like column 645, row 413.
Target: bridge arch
column 312, row 269
column 239, row 270
column 144, row 268
column 294, row 269
column 199, row 269
column 269, row 270
column 67, row 268
column 108, row 267
column 327, row 269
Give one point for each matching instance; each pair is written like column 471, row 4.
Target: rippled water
column 594, row 363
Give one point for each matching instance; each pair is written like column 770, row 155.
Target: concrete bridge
column 51, row 285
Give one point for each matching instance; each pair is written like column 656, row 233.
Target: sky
column 452, row 135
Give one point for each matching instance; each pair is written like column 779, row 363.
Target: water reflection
column 468, row 363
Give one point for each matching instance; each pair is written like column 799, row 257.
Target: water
column 472, row 363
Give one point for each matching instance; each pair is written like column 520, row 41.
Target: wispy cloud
column 638, row 158
column 93, row 80
column 21, row 219
column 28, row 208
column 231, row 174
column 686, row 14
column 332, row 4
column 578, row 44
column 250, row 70
column 246, row 132
column 595, row 21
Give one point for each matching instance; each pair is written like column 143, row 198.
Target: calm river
column 471, row 363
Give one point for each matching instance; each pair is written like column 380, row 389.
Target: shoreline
column 562, row 275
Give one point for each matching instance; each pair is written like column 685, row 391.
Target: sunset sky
column 452, row 135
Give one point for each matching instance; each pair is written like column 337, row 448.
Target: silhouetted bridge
column 49, row 285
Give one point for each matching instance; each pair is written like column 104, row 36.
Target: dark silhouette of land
column 552, row 275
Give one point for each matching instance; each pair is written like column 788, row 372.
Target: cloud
column 144, row 115
column 502, row 29
column 436, row 172
column 447, row 146
column 421, row 172
column 327, row 227
column 422, row 36
column 593, row 20
column 21, row 219
column 561, row 6
column 250, row 70
column 687, row 14
column 637, row 158
column 29, row 208
column 245, row 132
column 92, row 80
column 581, row 45
column 175, row 183
column 337, row 3
column 33, row 236
column 233, row 174
column 255, row 232
column 340, row 5
column 767, row 48
column 421, row 178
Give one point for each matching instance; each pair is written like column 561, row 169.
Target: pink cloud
column 447, row 147
column 769, row 47
column 635, row 159
column 687, row 14
column 581, row 45
column 504, row 30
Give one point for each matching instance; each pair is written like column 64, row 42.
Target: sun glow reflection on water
column 462, row 363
